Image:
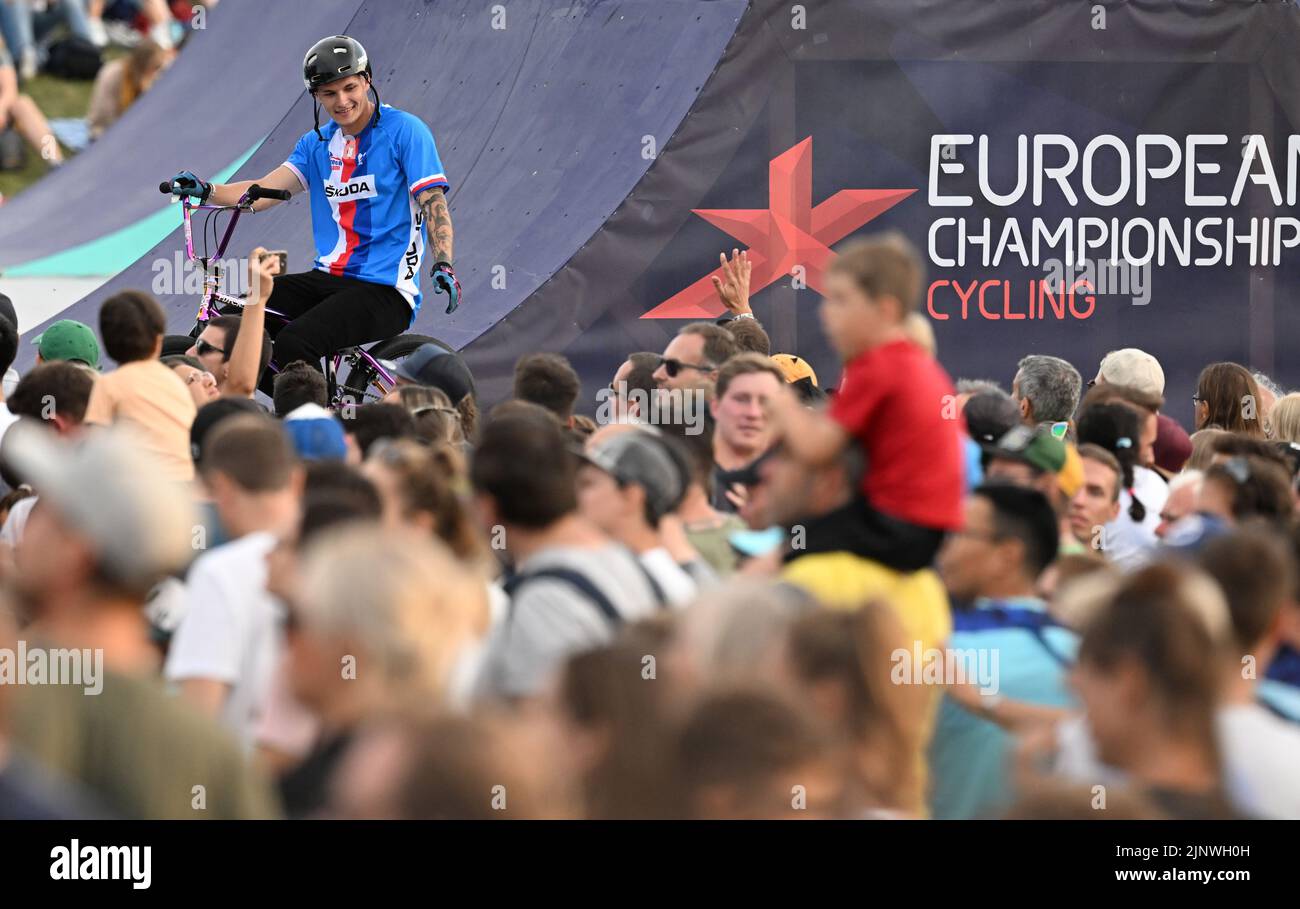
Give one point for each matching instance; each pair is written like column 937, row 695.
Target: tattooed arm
column 437, row 223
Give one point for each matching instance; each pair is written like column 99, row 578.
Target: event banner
column 1077, row 177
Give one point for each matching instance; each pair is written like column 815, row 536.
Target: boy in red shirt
column 894, row 401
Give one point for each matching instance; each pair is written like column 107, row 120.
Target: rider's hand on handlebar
column 446, row 282
column 188, row 184
column 262, row 269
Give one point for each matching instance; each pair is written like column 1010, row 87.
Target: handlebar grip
column 256, row 192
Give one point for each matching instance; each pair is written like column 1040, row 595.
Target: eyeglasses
column 673, row 367
column 204, row 348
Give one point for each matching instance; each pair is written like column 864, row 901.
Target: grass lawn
column 56, row 98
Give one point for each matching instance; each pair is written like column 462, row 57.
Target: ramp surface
column 545, row 118
column 229, row 87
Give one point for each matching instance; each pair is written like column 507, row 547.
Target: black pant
column 328, row 312
column 858, row 528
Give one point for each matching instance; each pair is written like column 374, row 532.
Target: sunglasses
column 204, row 348
column 673, row 367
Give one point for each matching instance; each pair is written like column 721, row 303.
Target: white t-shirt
column 231, row 631
column 16, row 522
column 10, row 381
column 1260, row 754
column 1261, row 760
column 1129, row 544
column 679, row 588
column 7, row 419
column 550, row 619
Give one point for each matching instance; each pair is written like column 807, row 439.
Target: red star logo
column 789, row 232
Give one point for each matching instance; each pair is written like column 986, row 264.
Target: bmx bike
column 368, row 378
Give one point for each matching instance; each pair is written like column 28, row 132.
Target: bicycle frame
column 213, row 299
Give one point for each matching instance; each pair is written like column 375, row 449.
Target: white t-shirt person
column 678, row 587
column 1259, row 751
column 231, row 630
column 1130, row 544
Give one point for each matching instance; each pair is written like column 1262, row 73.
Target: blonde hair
column 1284, row 418
column 409, row 613
column 145, row 56
column 921, row 333
column 1203, row 448
column 886, row 720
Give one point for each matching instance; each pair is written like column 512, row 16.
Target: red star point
column 789, row 232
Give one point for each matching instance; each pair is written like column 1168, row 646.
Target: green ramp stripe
column 113, row 252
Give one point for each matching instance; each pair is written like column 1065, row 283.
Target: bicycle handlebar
column 256, row 192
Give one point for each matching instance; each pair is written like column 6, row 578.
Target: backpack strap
column 1031, row 620
column 661, row 598
column 571, row 577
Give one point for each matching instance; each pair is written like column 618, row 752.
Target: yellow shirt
column 843, row 581
column 154, row 403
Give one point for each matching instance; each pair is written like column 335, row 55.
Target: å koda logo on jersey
column 412, row 260
column 359, row 187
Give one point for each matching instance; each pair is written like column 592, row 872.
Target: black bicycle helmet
column 334, row 58
column 331, row 59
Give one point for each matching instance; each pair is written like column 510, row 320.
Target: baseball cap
column 794, row 368
column 111, row 491
column 1134, row 368
column 1070, row 477
column 1040, row 450
column 315, row 434
column 68, row 339
column 990, row 415
column 644, row 458
column 437, row 367
column 1173, row 446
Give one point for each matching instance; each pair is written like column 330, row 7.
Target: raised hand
column 262, row 269
column 733, row 288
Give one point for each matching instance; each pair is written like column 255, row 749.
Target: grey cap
column 109, row 489
column 643, row 457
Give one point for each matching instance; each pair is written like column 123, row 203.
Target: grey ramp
column 542, row 126
column 230, row 87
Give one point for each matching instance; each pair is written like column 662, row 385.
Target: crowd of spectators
column 725, row 587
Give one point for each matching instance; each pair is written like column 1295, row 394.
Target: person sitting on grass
column 19, row 111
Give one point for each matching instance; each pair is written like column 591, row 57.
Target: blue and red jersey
column 364, row 217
